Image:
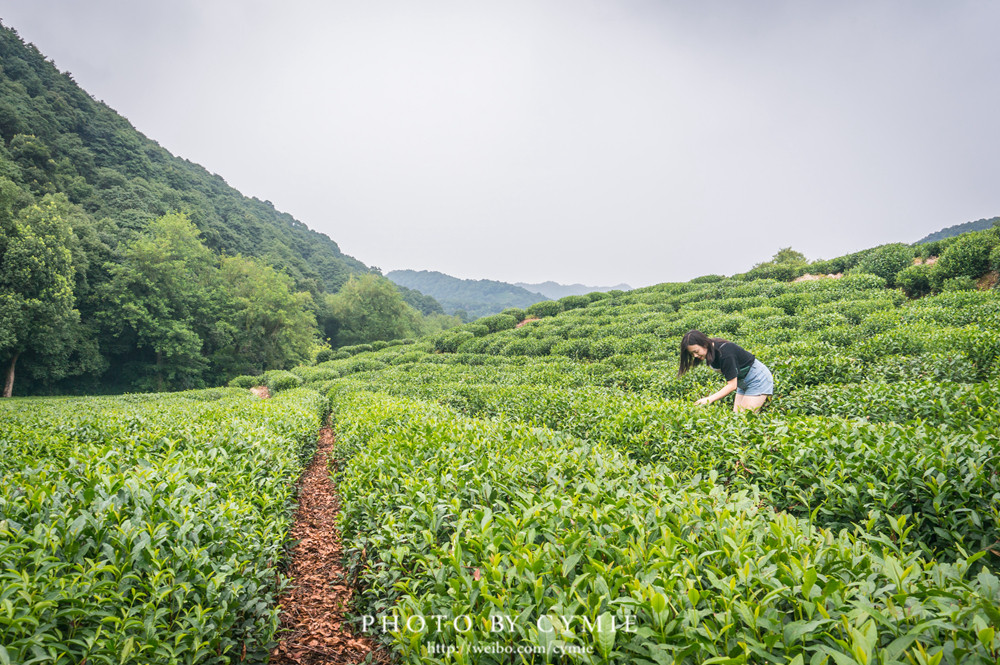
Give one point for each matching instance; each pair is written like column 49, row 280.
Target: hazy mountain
column 554, row 290
column 475, row 297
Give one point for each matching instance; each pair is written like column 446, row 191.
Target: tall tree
column 37, row 316
column 270, row 326
column 161, row 297
column 370, row 308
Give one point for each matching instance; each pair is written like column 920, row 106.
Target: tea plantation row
column 147, row 528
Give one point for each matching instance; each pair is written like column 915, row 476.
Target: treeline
column 467, row 298
column 956, row 263
column 959, row 229
column 162, row 311
column 123, row 267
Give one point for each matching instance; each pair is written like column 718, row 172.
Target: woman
column 749, row 377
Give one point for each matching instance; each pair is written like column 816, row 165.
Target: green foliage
column 148, row 528
column 158, row 307
column 450, row 341
column 959, row 284
column 886, row 261
column 37, row 315
column 574, row 302
column 967, row 256
column 995, row 258
column 370, row 308
column 545, row 308
column 915, row 280
column 424, row 304
column 788, row 256
column 270, row 325
column 245, row 381
column 518, row 313
column 279, row 379
column 505, row 516
column 781, row 272
column 497, row 322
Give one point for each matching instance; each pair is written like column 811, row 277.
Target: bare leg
column 749, row 402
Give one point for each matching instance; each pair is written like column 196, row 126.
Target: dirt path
column 313, row 630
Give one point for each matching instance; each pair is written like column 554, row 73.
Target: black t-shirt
column 731, row 359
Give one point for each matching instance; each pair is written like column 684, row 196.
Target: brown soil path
column 313, row 626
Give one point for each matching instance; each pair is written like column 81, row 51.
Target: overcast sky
column 574, row 140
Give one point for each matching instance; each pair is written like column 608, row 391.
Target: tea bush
column 148, row 528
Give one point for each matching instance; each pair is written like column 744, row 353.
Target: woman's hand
column 728, row 388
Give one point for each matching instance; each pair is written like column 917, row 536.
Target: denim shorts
column 758, row 381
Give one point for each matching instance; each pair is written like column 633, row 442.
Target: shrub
column 707, row 279
column 915, row 280
column 545, row 308
column 969, row 256
column 929, row 249
column 572, row 348
column 529, row 346
column 516, row 312
column 244, row 381
column 574, row 302
column 408, row 357
column 497, row 322
column 862, row 282
column 317, row 374
column 450, row 341
column 324, row 355
column 477, row 329
column 356, row 349
column 959, row 284
column 830, row 266
column 277, row 380
column 363, row 365
column 886, row 261
column 782, row 272
column 995, row 258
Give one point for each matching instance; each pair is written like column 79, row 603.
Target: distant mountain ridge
column 475, row 297
column 555, row 290
column 958, row 229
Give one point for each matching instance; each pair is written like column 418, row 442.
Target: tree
column 270, row 326
column 370, row 308
column 37, row 315
column 162, row 297
column 787, row 255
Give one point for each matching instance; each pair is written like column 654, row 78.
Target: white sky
column 574, row 140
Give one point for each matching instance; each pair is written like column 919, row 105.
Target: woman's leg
column 749, row 402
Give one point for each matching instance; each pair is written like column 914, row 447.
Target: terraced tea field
column 547, row 492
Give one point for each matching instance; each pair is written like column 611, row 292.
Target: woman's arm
column 725, row 390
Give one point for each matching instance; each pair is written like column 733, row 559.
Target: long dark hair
column 698, row 338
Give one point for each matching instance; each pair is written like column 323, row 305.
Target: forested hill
column 57, row 138
column 959, row 229
column 474, row 297
column 123, row 267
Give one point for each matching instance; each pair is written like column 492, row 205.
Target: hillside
column 958, row 229
column 551, row 468
column 474, row 297
column 575, row 455
column 59, row 139
column 555, row 290
column 123, row 267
